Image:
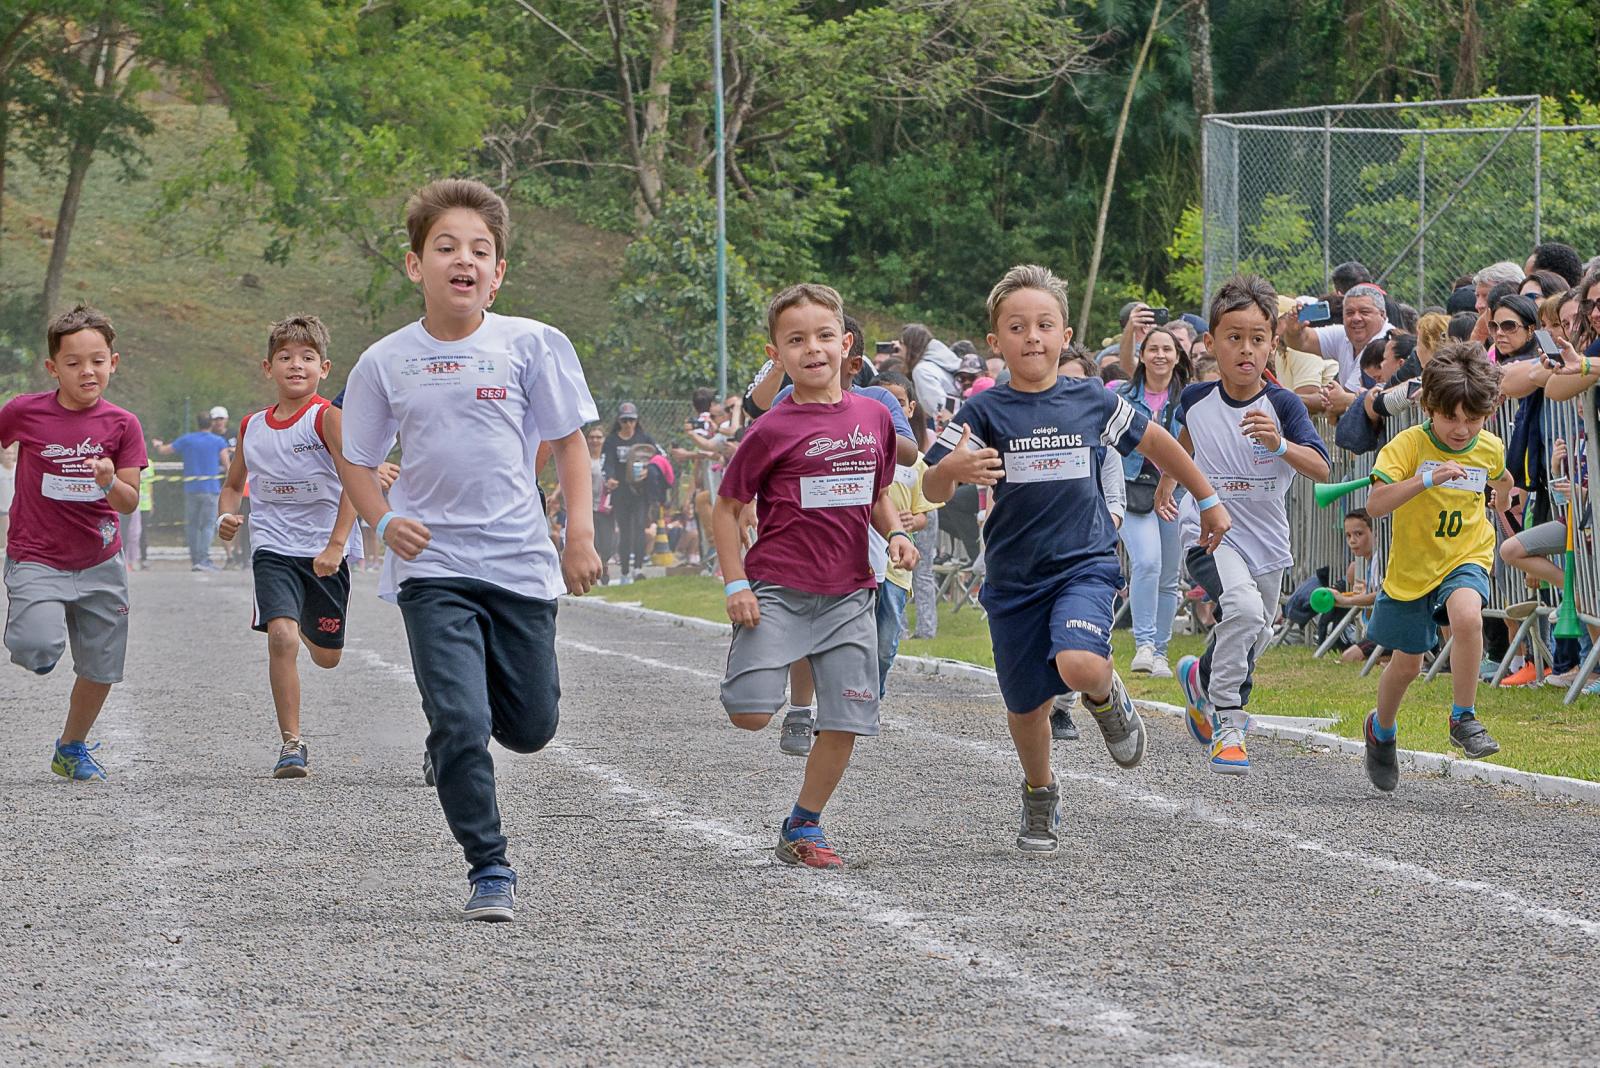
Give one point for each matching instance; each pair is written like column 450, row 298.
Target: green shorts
column 1413, row 626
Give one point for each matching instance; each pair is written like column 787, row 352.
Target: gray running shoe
column 427, row 768
column 1062, row 729
column 1041, row 819
column 1472, row 738
column 798, row 730
column 1120, row 725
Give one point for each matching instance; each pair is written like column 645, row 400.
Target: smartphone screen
column 1315, row 313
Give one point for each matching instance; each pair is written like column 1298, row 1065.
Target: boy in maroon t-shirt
column 819, row 466
column 78, row 466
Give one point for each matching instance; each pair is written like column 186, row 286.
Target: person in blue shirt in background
column 205, row 458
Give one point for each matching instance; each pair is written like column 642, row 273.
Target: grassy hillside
column 192, row 325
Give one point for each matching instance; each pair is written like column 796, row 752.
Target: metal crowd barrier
column 1317, row 534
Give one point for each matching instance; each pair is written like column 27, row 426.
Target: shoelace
column 1112, row 721
column 493, row 885
column 1038, row 807
column 290, row 749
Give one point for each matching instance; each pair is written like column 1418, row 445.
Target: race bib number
column 1246, row 488
column 289, row 490
column 835, row 491
column 1048, row 465
column 1475, row 480
column 65, row 488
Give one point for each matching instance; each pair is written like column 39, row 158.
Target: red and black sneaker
column 805, row 844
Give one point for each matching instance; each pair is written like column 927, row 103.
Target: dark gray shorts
column 50, row 608
column 838, row 634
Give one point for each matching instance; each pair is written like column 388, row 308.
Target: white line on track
column 1063, row 1008
column 1198, row 810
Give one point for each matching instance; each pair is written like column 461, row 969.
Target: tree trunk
column 1111, row 172
column 1202, row 82
column 78, row 161
column 5, row 145
column 657, row 101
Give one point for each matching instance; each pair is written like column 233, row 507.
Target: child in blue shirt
column 1050, row 544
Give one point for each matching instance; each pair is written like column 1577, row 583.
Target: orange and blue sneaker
column 804, row 844
column 1199, row 719
column 1228, row 756
column 75, row 761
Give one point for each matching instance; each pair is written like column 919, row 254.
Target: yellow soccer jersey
column 906, row 493
column 1440, row 529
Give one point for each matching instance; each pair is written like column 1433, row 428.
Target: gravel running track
column 194, row 911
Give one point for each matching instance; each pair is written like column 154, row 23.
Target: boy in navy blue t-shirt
column 1049, row 541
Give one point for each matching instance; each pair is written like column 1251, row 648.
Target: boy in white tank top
column 300, row 522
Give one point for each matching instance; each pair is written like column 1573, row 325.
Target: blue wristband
column 1283, row 447
column 902, row 534
column 383, row 523
column 1427, row 479
column 1208, row 502
column 736, row 586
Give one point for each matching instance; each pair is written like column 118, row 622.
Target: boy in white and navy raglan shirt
column 1049, row 542
column 470, row 395
column 1250, row 437
column 300, row 523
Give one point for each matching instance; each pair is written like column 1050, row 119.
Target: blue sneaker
column 291, row 761
column 1200, row 718
column 493, row 900
column 73, row 761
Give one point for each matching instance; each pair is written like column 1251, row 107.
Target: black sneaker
column 1383, row 767
column 1062, row 729
column 1472, row 738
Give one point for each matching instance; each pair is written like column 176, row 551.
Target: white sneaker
column 1144, row 659
column 1159, row 668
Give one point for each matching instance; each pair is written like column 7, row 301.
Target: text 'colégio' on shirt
column 815, row 471
column 469, row 415
column 1049, row 515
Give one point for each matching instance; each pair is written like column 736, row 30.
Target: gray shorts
column 1546, row 539
column 50, row 608
column 838, row 634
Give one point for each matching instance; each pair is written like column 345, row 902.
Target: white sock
column 801, row 710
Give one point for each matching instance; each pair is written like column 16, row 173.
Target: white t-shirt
column 8, row 487
column 469, row 415
column 1336, row 345
column 1251, row 481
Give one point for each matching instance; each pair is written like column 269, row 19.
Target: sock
column 801, row 817
column 801, row 710
column 1380, row 732
column 1459, row 712
column 1032, row 788
column 1097, row 704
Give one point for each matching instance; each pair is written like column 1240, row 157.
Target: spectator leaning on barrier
column 205, row 456
column 1313, row 379
column 1363, row 318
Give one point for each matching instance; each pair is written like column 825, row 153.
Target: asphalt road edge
column 1442, row 764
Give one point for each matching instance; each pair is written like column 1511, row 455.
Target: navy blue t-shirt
column 1049, row 515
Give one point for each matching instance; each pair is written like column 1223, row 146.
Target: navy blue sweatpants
column 485, row 662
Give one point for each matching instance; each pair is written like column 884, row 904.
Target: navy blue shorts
column 289, row 587
column 1413, row 626
column 1029, row 627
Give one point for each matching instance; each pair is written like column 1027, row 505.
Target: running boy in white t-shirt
column 300, row 522
column 1049, row 544
column 1251, row 437
column 470, row 395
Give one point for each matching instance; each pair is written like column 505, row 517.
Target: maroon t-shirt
column 815, row 471
column 60, row 516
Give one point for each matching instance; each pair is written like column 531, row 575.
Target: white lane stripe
column 1197, row 809
column 1063, row 1007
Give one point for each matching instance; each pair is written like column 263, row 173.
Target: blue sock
column 1458, row 712
column 1382, row 733
column 800, row 817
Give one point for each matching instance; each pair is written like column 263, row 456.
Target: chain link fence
column 1420, row 193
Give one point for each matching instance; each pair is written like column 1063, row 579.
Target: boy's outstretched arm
column 742, row 607
column 1165, row 452
column 1385, row 497
column 886, row 521
column 327, row 561
column 580, row 564
column 1166, row 486
column 228, row 518
column 408, row 537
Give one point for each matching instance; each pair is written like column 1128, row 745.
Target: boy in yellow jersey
column 1432, row 478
